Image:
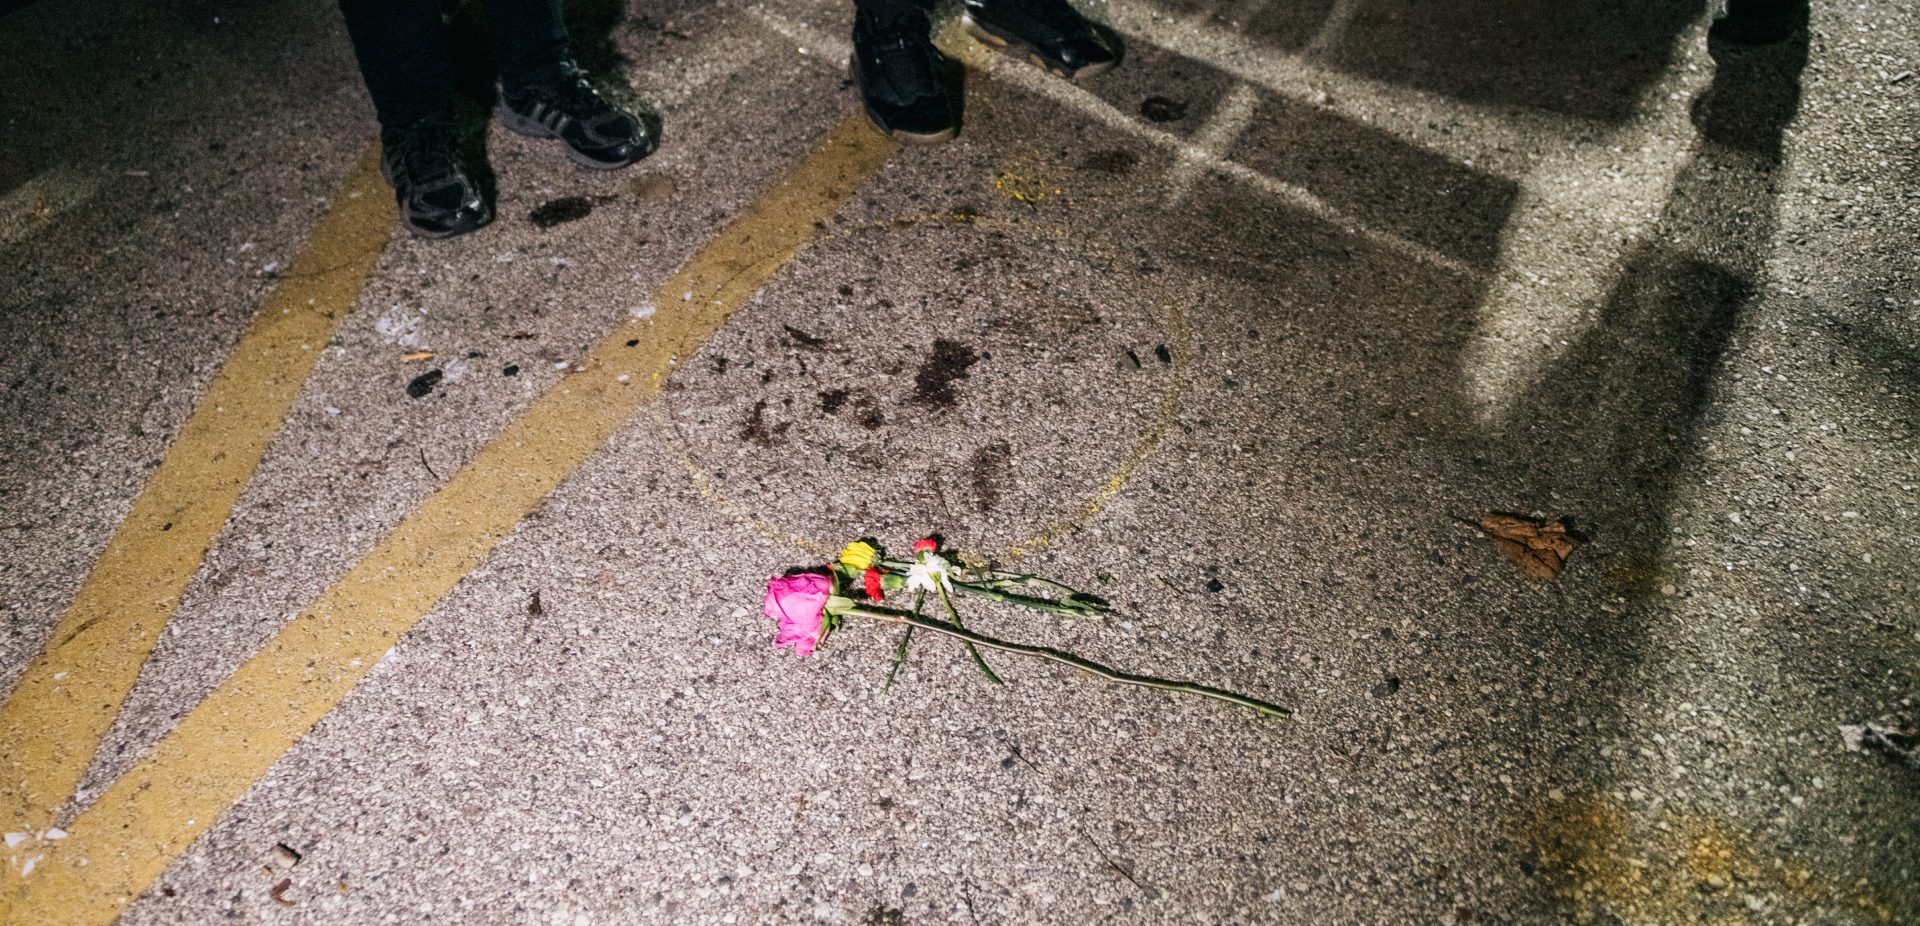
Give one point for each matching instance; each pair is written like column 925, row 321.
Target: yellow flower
column 859, row 555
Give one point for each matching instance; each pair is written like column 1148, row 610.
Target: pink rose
column 799, row 604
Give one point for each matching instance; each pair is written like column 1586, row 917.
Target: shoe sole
column 521, row 125
column 1014, row 46
column 428, row 233
column 911, row 138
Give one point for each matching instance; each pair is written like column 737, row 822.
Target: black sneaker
column 599, row 134
column 903, row 78
column 1050, row 34
column 422, row 163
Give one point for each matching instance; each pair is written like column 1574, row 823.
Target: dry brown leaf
column 411, row 356
column 1539, row 548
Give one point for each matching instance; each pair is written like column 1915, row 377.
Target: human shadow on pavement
column 1621, row 418
column 1613, row 430
column 1586, row 58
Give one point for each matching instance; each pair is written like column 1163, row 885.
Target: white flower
column 929, row 573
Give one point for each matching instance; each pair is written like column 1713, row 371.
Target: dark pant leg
column 403, row 54
column 891, row 8
column 529, row 41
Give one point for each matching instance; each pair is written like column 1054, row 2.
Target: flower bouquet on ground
column 809, row 605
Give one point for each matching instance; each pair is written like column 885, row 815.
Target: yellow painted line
column 117, row 847
column 69, row 695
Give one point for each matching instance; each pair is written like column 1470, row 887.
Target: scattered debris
column 285, row 855
column 1539, row 548
column 534, row 607
column 413, row 356
column 512, row 369
column 1161, row 353
column 279, row 892
column 429, row 466
column 423, row 384
column 1162, row 109
column 1891, row 735
column 400, row 326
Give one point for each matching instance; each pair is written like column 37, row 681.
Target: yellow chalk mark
column 1607, row 863
column 117, row 847
column 69, row 695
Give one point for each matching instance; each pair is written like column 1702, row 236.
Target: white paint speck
column 400, row 326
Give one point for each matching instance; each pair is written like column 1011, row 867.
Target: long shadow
column 1624, row 414
column 1588, row 58
column 1585, row 58
column 1610, row 435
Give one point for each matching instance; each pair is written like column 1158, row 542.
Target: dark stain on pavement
column 805, row 341
column 561, row 211
column 988, row 470
column 1162, row 109
column 933, row 384
column 872, row 417
column 869, row 413
column 885, row 916
column 1118, row 162
column 423, row 384
column 756, row 431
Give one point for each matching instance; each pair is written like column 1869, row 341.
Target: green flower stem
column 998, row 579
column 954, row 615
column 900, row 652
column 1093, row 668
column 992, row 584
column 1062, row 608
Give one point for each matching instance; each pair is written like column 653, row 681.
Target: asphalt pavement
column 353, row 578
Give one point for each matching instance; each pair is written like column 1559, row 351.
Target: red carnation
column 925, row 545
column 872, row 579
